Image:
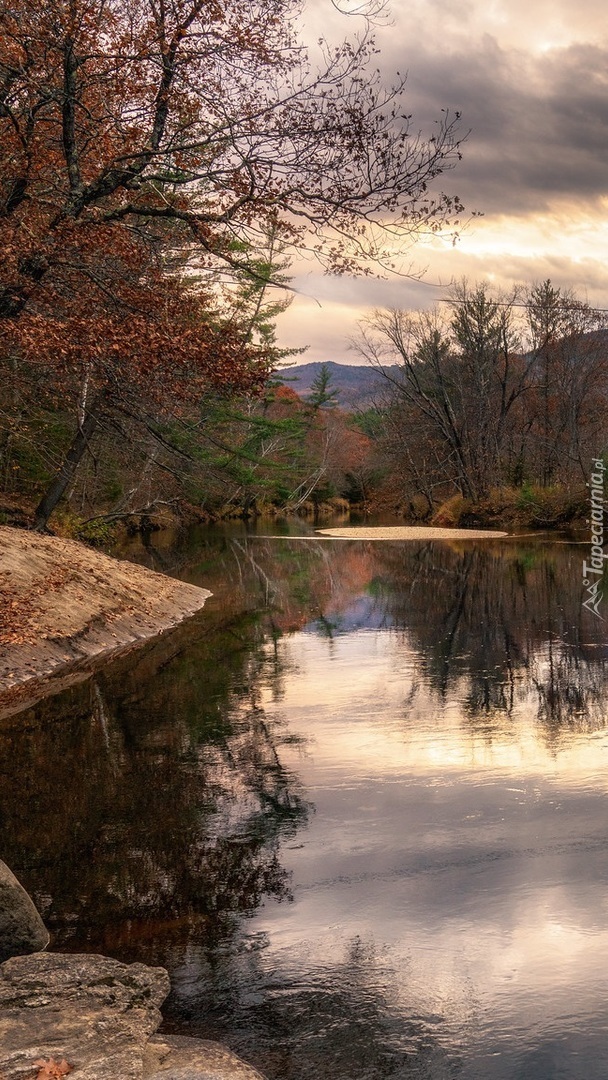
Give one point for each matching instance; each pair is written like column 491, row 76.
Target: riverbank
column 526, row 507
column 97, row 1019
column 64, row 606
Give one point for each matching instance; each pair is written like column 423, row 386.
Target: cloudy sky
column 530, row 78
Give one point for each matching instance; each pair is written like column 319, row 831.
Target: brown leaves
column 21, row 613
column 144, row 146
column 150, row 338
column 15, row 614
column 51, row 1069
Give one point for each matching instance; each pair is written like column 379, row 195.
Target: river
column 357, row 806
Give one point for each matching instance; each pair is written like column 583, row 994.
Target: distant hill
column 358, row 385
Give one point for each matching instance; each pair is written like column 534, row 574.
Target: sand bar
column 410, row 532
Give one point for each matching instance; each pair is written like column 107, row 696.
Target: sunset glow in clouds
column 531, row 83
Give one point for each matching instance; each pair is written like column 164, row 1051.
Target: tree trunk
column 70, row 464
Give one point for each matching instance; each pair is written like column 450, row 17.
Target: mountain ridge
column 358, row 386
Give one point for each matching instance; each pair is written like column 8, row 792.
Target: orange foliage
column 50, row 1069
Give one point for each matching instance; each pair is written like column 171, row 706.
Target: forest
column 161, row 164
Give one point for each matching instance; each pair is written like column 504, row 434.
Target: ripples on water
column 358, row 807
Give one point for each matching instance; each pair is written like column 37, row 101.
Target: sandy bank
column 63, row 605
column 410, row 532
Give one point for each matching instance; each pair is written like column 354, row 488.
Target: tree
column 141, row 139
column 148, row 356
column 117, row 114
column 491, row 379
column 452, row 389
column 568, row 400
column 322, row 394
column 504, row 389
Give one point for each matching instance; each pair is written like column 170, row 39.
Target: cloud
column 566, row 246
column 538, row 125
column 531, row 83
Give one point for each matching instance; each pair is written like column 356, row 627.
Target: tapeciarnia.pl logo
column 594, row 569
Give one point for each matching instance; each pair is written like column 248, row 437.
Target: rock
column 22, row 931
column 100, row 1016
column 174, row 1057
column 95, row 1012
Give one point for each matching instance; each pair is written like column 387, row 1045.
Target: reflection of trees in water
column 157, row 802
column 498, row 626
column 572, row 690
column 330, row 1022
column 481, row 617
column 156, row 799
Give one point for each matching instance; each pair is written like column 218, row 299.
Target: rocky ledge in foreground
column 94, row 1018
column 63, row 605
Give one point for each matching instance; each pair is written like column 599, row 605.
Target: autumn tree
column 457, row 379
column 140, row 139
column 115, row 114
column 492, row 378
column 235, row 448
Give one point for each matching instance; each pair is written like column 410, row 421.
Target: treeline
column 226, row 456
column 492, row 406
column 499, row 398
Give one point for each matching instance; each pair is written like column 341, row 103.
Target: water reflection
column 157, row 797
column 357, row 807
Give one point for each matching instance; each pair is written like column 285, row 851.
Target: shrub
column 451, row 512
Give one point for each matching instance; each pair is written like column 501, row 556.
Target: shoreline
column 65, row 607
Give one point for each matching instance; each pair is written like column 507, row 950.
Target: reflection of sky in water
column 471, row 857
column 362, row 613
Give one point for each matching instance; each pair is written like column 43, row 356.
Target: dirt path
column 63, row 604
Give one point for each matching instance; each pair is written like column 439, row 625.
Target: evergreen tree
column 322, row 394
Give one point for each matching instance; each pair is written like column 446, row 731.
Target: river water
column 358, row 807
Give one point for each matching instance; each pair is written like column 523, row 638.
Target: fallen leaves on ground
column 19, row 612
column 51, row 1069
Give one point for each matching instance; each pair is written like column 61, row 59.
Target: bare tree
column 495, row 389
